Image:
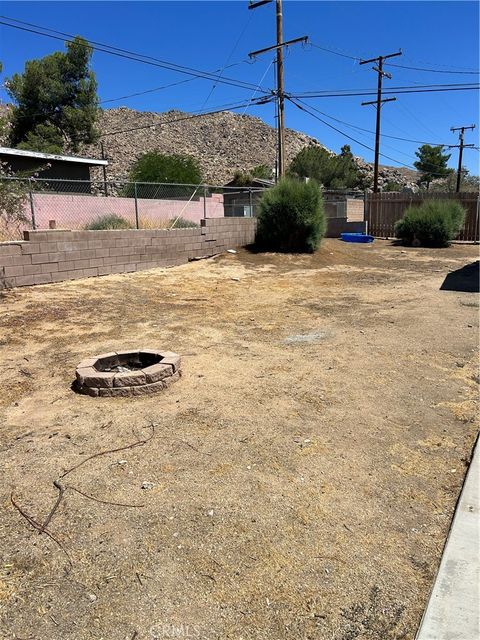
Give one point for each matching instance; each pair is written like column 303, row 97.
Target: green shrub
column 291, row 217
column 434, row 223
column 109, row 221
column 183, row 223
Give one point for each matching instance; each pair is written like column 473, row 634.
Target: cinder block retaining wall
column 51, row 256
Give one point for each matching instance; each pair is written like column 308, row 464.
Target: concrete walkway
column 453, row 609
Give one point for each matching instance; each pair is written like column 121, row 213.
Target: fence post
column 32, row 206
column 365, row 211
column 204, row 201
column 476, row 231
column 250, row 201
column 136, row 205
column 105, row 188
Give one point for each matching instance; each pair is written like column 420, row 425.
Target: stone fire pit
column 127, row 373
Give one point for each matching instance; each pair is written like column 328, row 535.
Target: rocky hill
column 223, row 143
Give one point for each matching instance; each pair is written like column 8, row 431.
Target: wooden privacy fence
column 384, row 209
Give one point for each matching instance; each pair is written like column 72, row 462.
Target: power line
column 336, row 53
column 226, row 65
column 302, row 108
column 341, row 53
column 339, row 93
column 131, row 55
column 383, row 135
column 165, row 86
column 402, row 66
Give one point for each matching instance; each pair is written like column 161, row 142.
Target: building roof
column 7, row 151
column 255, row 182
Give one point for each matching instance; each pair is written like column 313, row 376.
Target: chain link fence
column 76, row 204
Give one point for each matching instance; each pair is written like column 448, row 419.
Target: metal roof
column 7, row 151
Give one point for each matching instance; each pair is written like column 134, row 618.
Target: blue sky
column 208, row 35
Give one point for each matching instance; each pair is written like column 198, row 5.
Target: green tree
column 330, row 170
column 468, row 183
column 55, row 100
column 245, row 178
column 175, row 169
column 432, row 163
column 392, row 186
column 157, row 167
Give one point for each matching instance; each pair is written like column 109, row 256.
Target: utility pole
column 280, row 89
column 461, row 139
column 280, row 78
column 378, row 102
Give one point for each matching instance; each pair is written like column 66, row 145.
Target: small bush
column 434, row 223
column 183, row 223
column 109, row 221
column 291, row 217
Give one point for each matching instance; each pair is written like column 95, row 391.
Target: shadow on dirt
column 464, row 279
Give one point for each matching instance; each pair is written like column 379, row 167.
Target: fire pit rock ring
column 127, row 373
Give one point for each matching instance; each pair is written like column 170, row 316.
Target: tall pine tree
column 432, row 163
column 55, row 101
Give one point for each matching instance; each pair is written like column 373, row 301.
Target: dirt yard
column 305, row 468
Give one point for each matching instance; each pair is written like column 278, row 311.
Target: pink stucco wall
column 71, row 211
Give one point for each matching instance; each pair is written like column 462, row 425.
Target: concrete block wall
column 355, row 210
column 47, row 256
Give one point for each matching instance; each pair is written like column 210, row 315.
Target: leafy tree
column 173, row 169
column 333, row 172
column 392, row 186
column 291, row 217
column 245, row 178
column 157, row 167
column 432, row 163
column 55, row 100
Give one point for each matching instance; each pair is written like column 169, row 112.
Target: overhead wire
column 346, row 135
column 228, row 139
column 340, row 93
column 403, row 66
column 343, row 54
column 257, row 102
column 130, row 55
column 383, row 135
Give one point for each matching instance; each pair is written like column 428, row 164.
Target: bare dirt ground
column 305, row 468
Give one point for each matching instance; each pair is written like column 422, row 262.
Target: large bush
column 291, row 217
column 434, row 223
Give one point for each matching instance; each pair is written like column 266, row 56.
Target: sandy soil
column 305, row 468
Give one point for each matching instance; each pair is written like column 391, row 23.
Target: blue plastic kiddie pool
column 356, row 237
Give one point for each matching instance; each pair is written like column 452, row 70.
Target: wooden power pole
column 378, row 102
column 461, row 145
column 280, row 79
